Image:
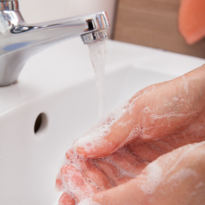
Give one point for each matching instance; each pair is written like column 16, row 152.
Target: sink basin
column 55, row 102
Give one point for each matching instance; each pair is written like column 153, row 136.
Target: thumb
column 171, row 179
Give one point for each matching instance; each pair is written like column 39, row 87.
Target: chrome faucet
column 19, row 41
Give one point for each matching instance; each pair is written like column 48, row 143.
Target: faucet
column 19, row 41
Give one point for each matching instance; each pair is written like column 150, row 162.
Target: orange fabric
column 192, row 20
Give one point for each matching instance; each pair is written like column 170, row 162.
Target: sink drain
column 40, row 123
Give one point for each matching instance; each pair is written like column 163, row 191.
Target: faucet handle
column 9, row 5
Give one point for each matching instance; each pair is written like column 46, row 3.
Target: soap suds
column 182, row 174
column 153, row 178
column 167, row 115
column 146, row 110
column 134, row 133
column 96, row 136
column 200, row 185
column 121, row 171
column 189, row 148
column 172, row 114
column 88, row 202
column 175, row 99
column 73, row 180
column 124, row 124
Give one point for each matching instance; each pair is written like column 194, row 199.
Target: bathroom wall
column 45, row 10
column 153, row 23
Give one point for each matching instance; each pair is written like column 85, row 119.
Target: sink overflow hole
column 40, row 123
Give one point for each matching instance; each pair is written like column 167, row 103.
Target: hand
column 132, row 157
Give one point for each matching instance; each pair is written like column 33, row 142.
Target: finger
column 81, row 176
column 113, row 133
column 156, row 111
column 194, row 32
column 66, row 199
column 94, row 175
column 120, row 166
column 126, row 162
column 104, row 173
column 112, row 172
column 74, row 182
column 149, row 150
column 174, row 178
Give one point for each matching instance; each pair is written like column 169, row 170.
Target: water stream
column 97, row 57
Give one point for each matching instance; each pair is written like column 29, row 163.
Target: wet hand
column 127, row 159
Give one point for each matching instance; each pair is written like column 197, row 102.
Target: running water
column 97, row 57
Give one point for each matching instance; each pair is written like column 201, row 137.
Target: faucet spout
column 19, row 41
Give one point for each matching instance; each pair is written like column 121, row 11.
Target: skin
column 153, row 153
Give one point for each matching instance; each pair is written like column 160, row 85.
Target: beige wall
column 153, row 23
column 45, row 10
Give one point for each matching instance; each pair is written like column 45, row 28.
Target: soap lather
column 19, row 41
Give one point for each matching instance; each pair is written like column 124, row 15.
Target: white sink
column 59, row 82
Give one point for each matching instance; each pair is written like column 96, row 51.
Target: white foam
column 175, row 99
column 200, row 185
column 121, row 171
column 88, row 202
column 183, row 174
column 71, row 187
column 134, row 133
column 153, row 178
column 167, row 115
column 171, row 114
column 146, row 109
column 188, row 148
column 96, row 136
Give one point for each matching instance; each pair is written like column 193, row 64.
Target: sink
column 55, row 102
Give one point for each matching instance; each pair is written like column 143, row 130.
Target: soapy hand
column 149, row 152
